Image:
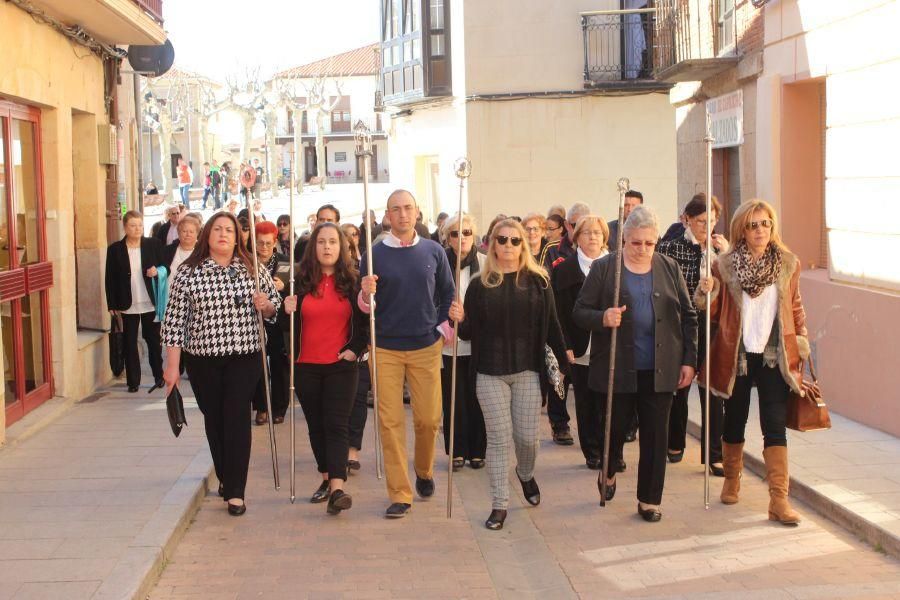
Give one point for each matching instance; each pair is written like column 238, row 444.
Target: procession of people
column 538, row 308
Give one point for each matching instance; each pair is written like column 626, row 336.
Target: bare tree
column 165, row 108
column 319, row 104
column 286, row 89
column 245, row 97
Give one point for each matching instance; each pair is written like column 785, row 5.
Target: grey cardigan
column 675, row 334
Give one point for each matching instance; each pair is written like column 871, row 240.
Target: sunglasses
column 283, row 224
column 765, row 224
column 245, row 229
column 465, row 232
column 646, row 244
column 503, row 239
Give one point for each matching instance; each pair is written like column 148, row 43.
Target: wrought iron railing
column 619, row 47
column 673, row 33
column 153, row 8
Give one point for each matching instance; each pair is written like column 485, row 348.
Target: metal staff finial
column 463, row 168
column 363, row 138
column 624, row 185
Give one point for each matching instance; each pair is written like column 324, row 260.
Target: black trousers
column 653, row 427
column 360, row 411
column 150, row 331
column 678, row 423
column 327, row 394
column 278, row 375
column 469, row 437
column 556, row 408
column 590, row 414
column 223, row 386
column 773, row 394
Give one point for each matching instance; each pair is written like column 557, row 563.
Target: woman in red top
column 333, row 333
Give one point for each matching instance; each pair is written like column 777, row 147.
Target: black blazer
column 567, row 279
column 675, row 333
column 163, row 232
column 118, row 271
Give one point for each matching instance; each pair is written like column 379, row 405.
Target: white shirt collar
column 392, row 241
column 585, row 262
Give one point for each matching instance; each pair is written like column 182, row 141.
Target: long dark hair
column 345, row 274
column 201, row 250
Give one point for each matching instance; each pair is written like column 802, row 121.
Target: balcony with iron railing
column 687, row 44
column 619, row 50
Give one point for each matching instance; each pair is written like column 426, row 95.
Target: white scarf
column 585, row 262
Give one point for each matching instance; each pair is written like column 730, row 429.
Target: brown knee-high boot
column 733, row 463
column 777, row 476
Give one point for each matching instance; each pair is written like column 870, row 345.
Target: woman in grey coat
column 656, row 348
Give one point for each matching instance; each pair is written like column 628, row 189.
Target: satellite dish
column 152, row 61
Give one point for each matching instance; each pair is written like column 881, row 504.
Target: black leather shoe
column 651, row 515
column 338, row 501
column 630, row 435
column 424, row 487
column 477, row 463
column 353, row 465
column 321, row 494
column 133, row 388
column 278, row 420
column 594, row 464
column 717, row 470
column 495, row 521
column 262, row 417
column 531, row 491
column 397, row 510
column 458, row 463
column 610, row 489
column 675, row 457
column 236, row 510
column 563, row 436
column 621, row 466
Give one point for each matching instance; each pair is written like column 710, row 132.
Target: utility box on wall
column 107, row 143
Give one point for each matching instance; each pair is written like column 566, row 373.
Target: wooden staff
column 707, row 272
column 623, row 185
column 291, row 342
column 249, row 178
column 363, row 140
column 463, row 168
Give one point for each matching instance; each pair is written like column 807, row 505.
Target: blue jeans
column 185, row 190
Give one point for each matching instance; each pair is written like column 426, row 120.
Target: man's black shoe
column 594, row 464
column 563, row 436
column 621, row 466
column 424, row 487
column 630, row 435
column 397, row 510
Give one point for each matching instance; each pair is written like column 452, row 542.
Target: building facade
column 802, row 106
column 552, row 101
column 346, row 84
column 62, row 180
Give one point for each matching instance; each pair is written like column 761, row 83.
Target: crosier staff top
column 363, row 138
column 462, row 167
column 624, row 185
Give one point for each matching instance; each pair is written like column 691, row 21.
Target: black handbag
column 175, row 408
column 116, row 346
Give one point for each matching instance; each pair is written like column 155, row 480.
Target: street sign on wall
column 726, row 119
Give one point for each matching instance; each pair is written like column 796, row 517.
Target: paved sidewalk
column 850, row 473
column 94, row 497
column 567, row 547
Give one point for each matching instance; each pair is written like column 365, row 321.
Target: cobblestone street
column 567, row 547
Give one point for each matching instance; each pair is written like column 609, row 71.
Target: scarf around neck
column 756, row 274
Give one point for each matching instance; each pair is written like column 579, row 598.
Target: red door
column 25, row 273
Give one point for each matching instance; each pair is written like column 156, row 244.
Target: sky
column 216, row 37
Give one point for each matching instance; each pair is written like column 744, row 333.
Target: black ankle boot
column 495, row 521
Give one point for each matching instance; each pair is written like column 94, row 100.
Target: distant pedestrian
column 185, row 180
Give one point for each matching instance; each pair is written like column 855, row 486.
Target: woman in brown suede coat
column 760, row 341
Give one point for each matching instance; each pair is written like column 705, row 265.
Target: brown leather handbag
column 807, row 411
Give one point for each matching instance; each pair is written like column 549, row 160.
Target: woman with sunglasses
column 689, row 251
column 590, row 238
column 656, row 349
column 268, row 258
column 469, row 441
column 510, row 317
column 211, row 317
column 284, row 234
column 332, row 333
column 351, row 233
column 761, row 341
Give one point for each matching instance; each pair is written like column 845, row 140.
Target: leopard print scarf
column 756, row 275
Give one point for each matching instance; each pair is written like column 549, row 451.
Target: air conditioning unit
column 107, row 142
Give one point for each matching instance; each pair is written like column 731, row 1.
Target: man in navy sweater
column 413, row 294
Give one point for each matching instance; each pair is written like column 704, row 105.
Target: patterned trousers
column 511, row 405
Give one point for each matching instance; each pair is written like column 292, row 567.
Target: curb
column 140, row 567
column 830, row 508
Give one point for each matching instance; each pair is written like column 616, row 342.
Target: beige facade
column 63, row 85
column 521, row 111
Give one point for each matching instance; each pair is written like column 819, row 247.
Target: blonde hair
column 744, row 215
column 492, row 275
column 190, row 219
column 587, row 221
column 541, row 219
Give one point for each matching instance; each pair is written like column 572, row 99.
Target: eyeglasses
column 265, row 244
column 553, row 228
column 283, row 224
column 503, row 239
column 465, row 232
column 593, row 233
column 646, row 244
column 532, row 229
column 765, row 224
column 354, row 234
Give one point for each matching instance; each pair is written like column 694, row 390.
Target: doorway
column 25, row 273
column 727, row 184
